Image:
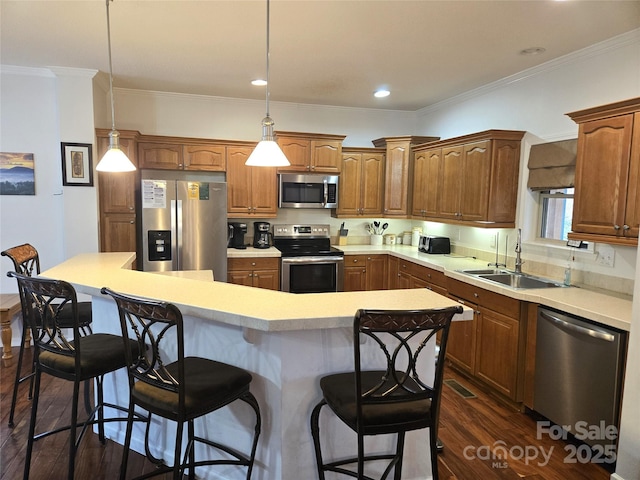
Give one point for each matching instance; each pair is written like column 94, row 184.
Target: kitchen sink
column 512, row 279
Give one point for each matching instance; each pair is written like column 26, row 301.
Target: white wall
column 29, row 124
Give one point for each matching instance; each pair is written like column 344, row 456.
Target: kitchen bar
column 287, row 341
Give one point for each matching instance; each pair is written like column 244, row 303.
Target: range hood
column 552, row 165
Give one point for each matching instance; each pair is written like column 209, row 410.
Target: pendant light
column 267, row 153
column 114, row 160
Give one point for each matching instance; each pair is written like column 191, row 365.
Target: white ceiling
column 330, row 52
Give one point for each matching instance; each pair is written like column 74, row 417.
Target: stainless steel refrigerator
column 184, row 222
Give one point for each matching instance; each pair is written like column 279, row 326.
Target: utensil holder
column 376, row 240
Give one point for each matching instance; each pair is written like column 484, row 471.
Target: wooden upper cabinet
column 311, row 152
column 211, row 158
column 470, row 180
column 426, row 186
column 607, row 203
column 251, row 191
column 398, row 173
column 361, row 182
column 164, row 156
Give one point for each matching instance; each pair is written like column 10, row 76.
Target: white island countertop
column 238, row 305
column 596, row 305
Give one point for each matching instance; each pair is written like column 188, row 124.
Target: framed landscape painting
column 17, row 176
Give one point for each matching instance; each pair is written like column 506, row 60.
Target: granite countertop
column 248, row 307
column 598, row 305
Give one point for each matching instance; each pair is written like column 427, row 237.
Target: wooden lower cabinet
column 497, row 351
column 491, row 348
column 365, row 272
column 118, row 232
column 254, row 272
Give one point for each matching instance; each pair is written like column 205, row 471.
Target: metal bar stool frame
column 26, row 261
column 393, row 399
column 80, row 358
column 163, row 388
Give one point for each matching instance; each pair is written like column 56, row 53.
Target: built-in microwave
column 308, row 191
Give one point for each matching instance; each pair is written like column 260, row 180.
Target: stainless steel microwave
column 308, row 191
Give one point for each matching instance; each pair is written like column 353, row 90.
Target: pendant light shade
column 267, row 153
column 114, row 160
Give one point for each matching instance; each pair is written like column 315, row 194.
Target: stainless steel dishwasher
column 578, row 377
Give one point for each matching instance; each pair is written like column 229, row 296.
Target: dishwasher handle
column 577, row 328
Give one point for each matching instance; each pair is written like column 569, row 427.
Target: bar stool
column 393, row 398
column 77, row 359
column 25, row 260
column 180, row 390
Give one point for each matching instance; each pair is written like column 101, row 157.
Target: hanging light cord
column 113, row 109
column 268, row 55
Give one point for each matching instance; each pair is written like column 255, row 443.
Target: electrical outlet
column 606, row 255
column 492, row 241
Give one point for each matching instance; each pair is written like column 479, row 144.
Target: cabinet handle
column 616, row 227
column 476, row 295
column 253, row 264
column 355, row 260
column 251, row 274
column 626, row 227
column 132, row 221
column 313, row 167
column 180, row 165
column 131, row 208
column 364, row 271
column 477, row 312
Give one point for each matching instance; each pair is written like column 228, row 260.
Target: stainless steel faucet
column 519, row 261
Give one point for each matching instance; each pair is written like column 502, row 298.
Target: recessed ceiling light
column 381, row 93
column 258, row 82
column 533, row 51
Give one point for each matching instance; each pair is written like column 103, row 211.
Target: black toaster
column 435, row 245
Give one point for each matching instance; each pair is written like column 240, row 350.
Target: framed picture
column 17, row 175
column 77, row 164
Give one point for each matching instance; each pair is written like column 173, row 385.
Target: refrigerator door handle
column 179, row 234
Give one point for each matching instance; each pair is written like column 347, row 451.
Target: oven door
column 312, row 274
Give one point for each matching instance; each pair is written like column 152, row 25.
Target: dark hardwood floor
column 469, row 427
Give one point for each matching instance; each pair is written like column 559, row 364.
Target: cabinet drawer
column 430, row 275
column 355, row 260
column 494, row 301
column 253, row 263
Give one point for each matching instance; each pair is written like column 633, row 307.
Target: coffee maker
column 235, row 235
column 261, row 235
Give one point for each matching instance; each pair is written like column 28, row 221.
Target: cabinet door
column 377, row 272
column 604, row 149
column 355, row 279
column 118, row 233
column 264, row 191
column 350, row 185
column 269, row 279
column 238, row 181
column 160, row 156
column 419, row 180
column 451, row 176
column 118, row 189
column 431, row 194
column 475, row 181
column 392, row 268
column 240, row 277
column 632, row 215
column 297, row 151
column 503, row 192
column 497, row 351
column 211, row 158
column 396, row 186
column 371, row 183
column 325, row 156
column 461, row 344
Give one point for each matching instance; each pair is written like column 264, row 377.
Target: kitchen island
column 287, row 341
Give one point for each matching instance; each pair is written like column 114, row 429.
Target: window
column 556, row 212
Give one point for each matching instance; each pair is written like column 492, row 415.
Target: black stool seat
column 378, row 418
column 84, row 315
column 101, row 353
column 209, row 385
